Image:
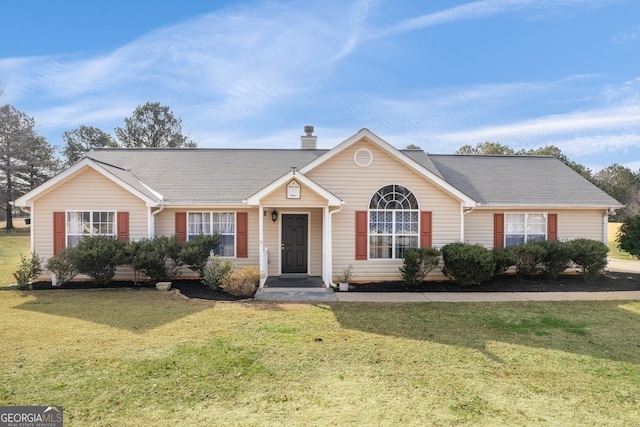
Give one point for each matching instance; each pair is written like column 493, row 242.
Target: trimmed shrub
column 467, row 264
column 417, row 263
column 628, row 237
column 242, row 283
column 63, row 266
column 529, row 257
column 216, row 270
column 590, row 255
column 196, row 252
column 503, row 258
column 556, row 258
column 98, row 257
column 28, row 269
column 132, row 253
column 156, row 258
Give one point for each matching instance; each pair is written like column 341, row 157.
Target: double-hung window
column 81, row 224
column 223, row 223
column 524, row 227
column 393, row 222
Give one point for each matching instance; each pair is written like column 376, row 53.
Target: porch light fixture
column 274, row 215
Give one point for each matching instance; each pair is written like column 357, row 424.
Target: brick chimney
column 308, row 140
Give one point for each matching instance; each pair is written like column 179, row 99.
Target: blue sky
column 438, row 74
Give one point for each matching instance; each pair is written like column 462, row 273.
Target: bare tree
column 487, row 148
column 82, row 140
column 153, row 126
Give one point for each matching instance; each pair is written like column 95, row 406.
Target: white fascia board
column 73, row 171
column 255, row 198
column 544, row 207
column 394, row 152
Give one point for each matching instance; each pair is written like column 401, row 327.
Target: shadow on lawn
column 113, row 307
column 599, row 329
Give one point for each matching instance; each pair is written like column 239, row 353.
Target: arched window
column 393, row 222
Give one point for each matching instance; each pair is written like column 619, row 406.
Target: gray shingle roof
column 205, row 176
column 520, row 181
column 187, row 177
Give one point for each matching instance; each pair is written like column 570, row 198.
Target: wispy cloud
column 612, row 118
column 248, row 75
column 482, row 9
column 627, row 36
column 239, row 61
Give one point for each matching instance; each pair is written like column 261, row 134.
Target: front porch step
column 294, row 281
column 295, row 294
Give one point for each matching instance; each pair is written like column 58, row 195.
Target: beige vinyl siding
column 581, row 224
column 572, row 224
column 89, row 190
column 166, row 223
column 355, row 185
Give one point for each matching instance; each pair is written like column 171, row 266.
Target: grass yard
column 12, row 244
column 143, row 357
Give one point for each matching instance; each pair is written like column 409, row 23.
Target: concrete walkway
column 398, row 297
column 623, row 265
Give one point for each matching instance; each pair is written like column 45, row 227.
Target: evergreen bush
column 157, row 258
column 98, row 257
column 529, row 257
column 417, row 263
column 467, row 264
column 628, row 237
column 196, row 251
column 63, row 266
column 591, row 256
column 216, row 269
column 556, row 258
column 504, row 258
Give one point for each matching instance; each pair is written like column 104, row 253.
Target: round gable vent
column 363, row 157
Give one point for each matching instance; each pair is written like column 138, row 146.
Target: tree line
column 28, row 159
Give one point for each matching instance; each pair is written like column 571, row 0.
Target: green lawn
column 615, row 252
column 12, row 244
column 143, row 357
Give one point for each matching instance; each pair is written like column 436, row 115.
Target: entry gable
column 366, row 134
column 298, row 178
column 123, row 178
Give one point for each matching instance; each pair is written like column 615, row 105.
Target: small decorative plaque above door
column 293, row 190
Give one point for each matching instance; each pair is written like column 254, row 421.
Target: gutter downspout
column 152, row 227
column 329, row 252
column 462, row 221
column 32, row 235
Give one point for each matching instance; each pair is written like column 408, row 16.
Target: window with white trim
column 223, row 223
column 81, row 224
column 393, row 222
column 524, row 227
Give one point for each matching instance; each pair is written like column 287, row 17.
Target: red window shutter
column 242, row 235
column 498, row 230
column 59, row 231
column 181, row 226
column 123, row 225
column 362, row 228
column 552, row 227
column 425, row 230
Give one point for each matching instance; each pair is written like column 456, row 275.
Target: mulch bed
column 510, row 283
column 188, row 288
column 501, row 283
